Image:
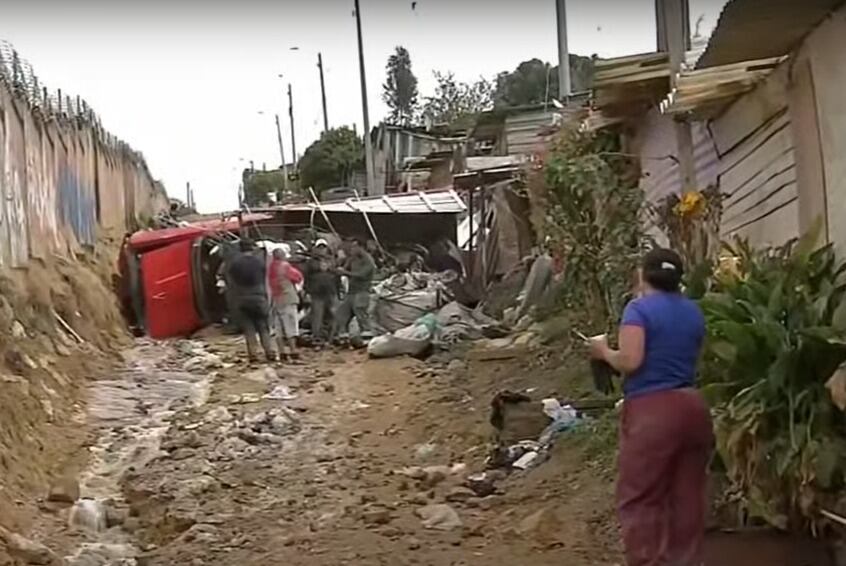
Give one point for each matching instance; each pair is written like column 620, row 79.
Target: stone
column 413, row 544
column 28, row 551
column 376, row 516
column 439, row 517
column 18, row 330
column 64, row 490
column 456, row 366
column 460, row 495
column 543, row 527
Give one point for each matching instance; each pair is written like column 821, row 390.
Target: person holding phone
column 666, row 434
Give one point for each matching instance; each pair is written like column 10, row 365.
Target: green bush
column 775, row 336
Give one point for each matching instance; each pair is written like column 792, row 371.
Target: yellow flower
column 691, row 203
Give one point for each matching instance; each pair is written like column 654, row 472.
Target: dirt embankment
column 59, row 325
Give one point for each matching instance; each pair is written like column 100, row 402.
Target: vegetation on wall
column 587, row 205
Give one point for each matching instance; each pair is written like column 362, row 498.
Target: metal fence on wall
column 61, row 173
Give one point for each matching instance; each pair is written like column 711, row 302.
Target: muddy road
column 195, row 459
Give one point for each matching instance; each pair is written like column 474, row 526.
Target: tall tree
column 456, row 102
column 400, row 89
column 330, row 161
column 535, row 82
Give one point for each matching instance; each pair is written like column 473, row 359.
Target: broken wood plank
column 495, row 354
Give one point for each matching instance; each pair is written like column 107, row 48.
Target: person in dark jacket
column 323, row 285
column 246, row 273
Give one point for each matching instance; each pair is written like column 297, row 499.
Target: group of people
column 265, row 297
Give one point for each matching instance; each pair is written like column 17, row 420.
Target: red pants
column 665, row 445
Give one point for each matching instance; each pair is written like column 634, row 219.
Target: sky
column 195, row 84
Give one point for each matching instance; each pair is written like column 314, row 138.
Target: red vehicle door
column 169, row 291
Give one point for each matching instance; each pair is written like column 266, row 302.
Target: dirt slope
column 43, row 369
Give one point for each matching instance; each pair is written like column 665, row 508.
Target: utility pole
column 323, row 92
column 282, row 154
column 674, row 15
column 188, row 195
column 293, row 136
column 564, row 89
column 368, row 143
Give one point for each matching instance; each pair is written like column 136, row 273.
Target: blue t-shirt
column 674, row 329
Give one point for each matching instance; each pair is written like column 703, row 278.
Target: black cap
column 663, row 269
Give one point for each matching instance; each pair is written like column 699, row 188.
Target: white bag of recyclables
column 409, row 341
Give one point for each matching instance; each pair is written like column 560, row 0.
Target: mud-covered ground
column 194, row 458
column 324, row 478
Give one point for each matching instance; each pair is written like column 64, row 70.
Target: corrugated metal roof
column 438, row 202
column 758, row 29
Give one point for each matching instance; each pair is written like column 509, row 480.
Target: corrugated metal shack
column 768, row 119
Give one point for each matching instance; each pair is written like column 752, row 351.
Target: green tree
column 456, row 102
column 330, row 161
column 535, row 82
column 259, row 185
column 400, row 89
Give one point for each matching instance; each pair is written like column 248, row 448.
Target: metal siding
column 826, row 49
column 5, row 238
column 758, row 166
column 76, row 200
column 15, row 188
column 656, row 140
column 757, row 29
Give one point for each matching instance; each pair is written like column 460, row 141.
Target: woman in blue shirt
column 666, row 434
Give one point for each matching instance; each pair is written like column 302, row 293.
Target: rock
column 543, row 527
column 200, row 533
column 460, row 495
column 7, row 315
column 27, row 551
column 456, row 366
column 328, row 387
column 439, row 517
column 18, row 330
column 64, row 490
column 219, row 414
column 199, row 486
column 413, row 544
column 484, row 484
column 423, row 451
column 376, row 516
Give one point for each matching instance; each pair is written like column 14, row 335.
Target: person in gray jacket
column 247, row 275
column 359, row 269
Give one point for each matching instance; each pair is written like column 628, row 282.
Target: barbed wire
column 19, row 76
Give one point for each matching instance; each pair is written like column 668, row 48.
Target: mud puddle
column 129, row 414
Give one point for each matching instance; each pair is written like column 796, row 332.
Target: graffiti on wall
column 55, row 182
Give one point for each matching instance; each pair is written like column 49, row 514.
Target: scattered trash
column 245, row 398
column 439, row 517
column 280, row 393
column 525, row 461
column 423, row 451
column 90, row 515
